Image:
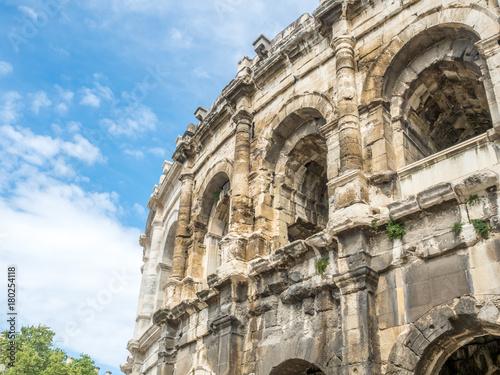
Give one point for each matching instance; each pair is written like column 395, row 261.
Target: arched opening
column 440, row 93
column 215, row 214
column 305, row 183
column 164, row 267
column 296, row 367
column 298, row 158
column 481, row 356
column 168, row 248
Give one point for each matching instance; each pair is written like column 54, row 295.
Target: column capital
column 328, row 129
column 243, row 115
column 489, row 47
column 343, row 42
column 188, row 176
column 362, row 278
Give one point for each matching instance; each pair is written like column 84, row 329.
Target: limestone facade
column 336, row 210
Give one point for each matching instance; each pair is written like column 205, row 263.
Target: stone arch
column 299, row 109
column 464, row 16
column 222, row 166
column 437, row 85
column 200, row 370
column 296, row 367
column 168, row 241
column 166, row 255
column 297, row 156
column 424, row 347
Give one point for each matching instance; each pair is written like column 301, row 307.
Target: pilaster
column 230, row 345
column 241, row 205
column 182, row 238
column 489, row 49
column 348, row 115
column 360, row 348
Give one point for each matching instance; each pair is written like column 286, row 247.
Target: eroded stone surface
column 267, row 248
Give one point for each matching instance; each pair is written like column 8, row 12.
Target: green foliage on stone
column 395, row 230
column 472, row 200
column 481, row 227
column 36, row 355
column 457, row 227
column 321, row 265
column 216, row 196
column 374, row 225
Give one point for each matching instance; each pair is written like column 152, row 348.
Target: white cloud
column 10, row 107
column 157, row 151
column 40, row 100
column 66, row 95
column 71, row 250
column 73, row 126
column 30, row 12
column 138, row 154
column 19, row 146
column 62, row 108
column 93, row 97
column 140, row 210
column 200, row 72
column 82, row 149
column 131, row 120
column 61, row 51
column 89, row 98
column 5, row 68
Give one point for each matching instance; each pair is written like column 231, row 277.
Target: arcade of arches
column 336, row 210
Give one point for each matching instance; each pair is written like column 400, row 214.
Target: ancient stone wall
column 335, row 211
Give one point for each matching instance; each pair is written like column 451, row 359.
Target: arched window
column 438, row 86
column 481, row 356
column 218, row 225
column 164, row 267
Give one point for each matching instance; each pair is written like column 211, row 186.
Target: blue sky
column 92, row 97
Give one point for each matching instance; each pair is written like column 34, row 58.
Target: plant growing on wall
column 481, row 227
column 216, row 196
column 472, row 200
column 457, row 227
column 395, row 230
column 321, row 265
column 374, row 225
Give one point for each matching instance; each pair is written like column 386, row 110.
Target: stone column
column 358, row 284
column 489, row 49
column 348, row 119
column 241, row 208
column 167, row 355
column 150, row 291
column 230, row 345
column 182, row 237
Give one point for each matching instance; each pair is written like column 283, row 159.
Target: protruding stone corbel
column 362, row 278
column 144, row 240
column 201, row 113
column 262, row 46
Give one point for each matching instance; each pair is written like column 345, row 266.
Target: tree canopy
column 37, row 355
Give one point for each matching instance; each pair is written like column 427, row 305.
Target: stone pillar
column 150, row 291
column 489, row 49
column 230, row 345
column 358, row 283
column 348, row 115
column 182, row 237
column 167, row 355
column 241, row 208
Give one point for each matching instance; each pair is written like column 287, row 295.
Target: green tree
column 37, row 355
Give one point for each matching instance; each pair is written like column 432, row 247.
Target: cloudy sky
column 93, row 94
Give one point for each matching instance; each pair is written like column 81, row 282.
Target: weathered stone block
column 476, row 183
column 435, row 195
column 402, row 208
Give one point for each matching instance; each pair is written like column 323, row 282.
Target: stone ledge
column 432, row 196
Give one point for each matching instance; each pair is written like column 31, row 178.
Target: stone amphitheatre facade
column 336, row 210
